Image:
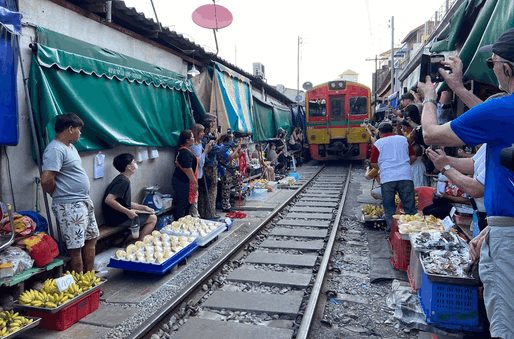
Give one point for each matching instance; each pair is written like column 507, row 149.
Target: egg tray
column 202, row 241
column 154, row 268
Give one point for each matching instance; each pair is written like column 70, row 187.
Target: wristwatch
column 445, row 168
column 433, row 101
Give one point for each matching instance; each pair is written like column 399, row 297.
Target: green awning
column 264, row 124
column 283, row 118
column 123, row 101
column 458, row 29
column 55, row 49
column 495, row 18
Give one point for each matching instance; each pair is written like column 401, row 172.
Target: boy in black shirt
column 117, row 205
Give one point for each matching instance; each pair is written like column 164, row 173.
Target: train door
column 337, row 109
column 359, row 111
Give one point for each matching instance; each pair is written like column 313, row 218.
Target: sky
column 336, row 34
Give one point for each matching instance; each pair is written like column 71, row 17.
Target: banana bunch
column 373, row 211
column 44, row 299
column 11, row 322
column 85, row 281
column 49, row 295
column 397, row 199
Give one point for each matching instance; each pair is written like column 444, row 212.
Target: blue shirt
column 493, row 123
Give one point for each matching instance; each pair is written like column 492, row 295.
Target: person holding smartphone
column 490, row 122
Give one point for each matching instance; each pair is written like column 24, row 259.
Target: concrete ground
column 129, row 297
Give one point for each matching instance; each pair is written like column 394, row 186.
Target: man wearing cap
column 491, row 122
column 392, row 155
column 410, row 111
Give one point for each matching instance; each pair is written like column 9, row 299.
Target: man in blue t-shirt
column 491, row 122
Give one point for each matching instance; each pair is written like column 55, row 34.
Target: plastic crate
column 159, row 269
column 449, row 306
column 69, row 315
column 401, row 252
column 414, row 270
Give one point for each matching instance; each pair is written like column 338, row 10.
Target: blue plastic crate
column 155, row 268
column 449, row 306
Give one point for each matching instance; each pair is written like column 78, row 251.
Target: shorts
column 76, row 222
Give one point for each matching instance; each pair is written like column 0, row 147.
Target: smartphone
column 219, row 129
column 430, row 64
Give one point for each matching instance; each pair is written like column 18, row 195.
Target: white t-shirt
column 479, row 173
column 393, row 158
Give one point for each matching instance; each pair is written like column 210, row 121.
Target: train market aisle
column 355, row 307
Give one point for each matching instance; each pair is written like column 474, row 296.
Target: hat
column 407, row 96
column 503, row 47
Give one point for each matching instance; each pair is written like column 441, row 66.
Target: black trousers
column 180, row 198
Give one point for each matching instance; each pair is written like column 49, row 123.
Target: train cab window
column 359, row 105
column 337, row 107
column 317, row 107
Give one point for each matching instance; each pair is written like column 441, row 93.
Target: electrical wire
column 10, row 177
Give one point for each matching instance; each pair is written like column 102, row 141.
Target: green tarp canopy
column 495, row 18
column 283, row 118
column 122, row 100
column 457, row 30
column 264, row 123
column 476, row 23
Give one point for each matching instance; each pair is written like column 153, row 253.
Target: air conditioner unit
column 258, row 70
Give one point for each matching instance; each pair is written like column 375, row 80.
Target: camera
column 430, row 64
column 507, row 157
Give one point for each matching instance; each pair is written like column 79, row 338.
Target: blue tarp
column 233, row 100
column 10, row 25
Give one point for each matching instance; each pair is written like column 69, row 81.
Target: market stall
column 28, row 256
column 435, row 255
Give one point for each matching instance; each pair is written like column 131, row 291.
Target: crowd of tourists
column 425, row 137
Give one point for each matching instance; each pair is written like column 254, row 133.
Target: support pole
column 34, row 138
column 392, row 55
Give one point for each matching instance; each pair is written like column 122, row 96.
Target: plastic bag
column 42, row 248
column 20, row 259
column 23, row 225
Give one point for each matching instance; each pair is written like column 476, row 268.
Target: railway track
column 269, row 285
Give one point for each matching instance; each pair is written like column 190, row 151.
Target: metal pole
column 392, row 55
column 34, row 137
column 298, row 67
column 376, row 84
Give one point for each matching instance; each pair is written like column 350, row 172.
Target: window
column 317, row 108
column 359, row 105
column 337, row 107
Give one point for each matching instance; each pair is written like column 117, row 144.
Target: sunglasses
column 490, row 62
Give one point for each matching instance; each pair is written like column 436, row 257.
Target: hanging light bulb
column 193, row 71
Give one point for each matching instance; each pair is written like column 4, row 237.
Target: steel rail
column 308, row 316
column 152, row 321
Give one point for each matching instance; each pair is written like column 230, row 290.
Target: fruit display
column 154, row 249
column 49, row 295
column 418, row 223
column 397, row 199
column 372, row 211
column 191, row 226
column 11, row 322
